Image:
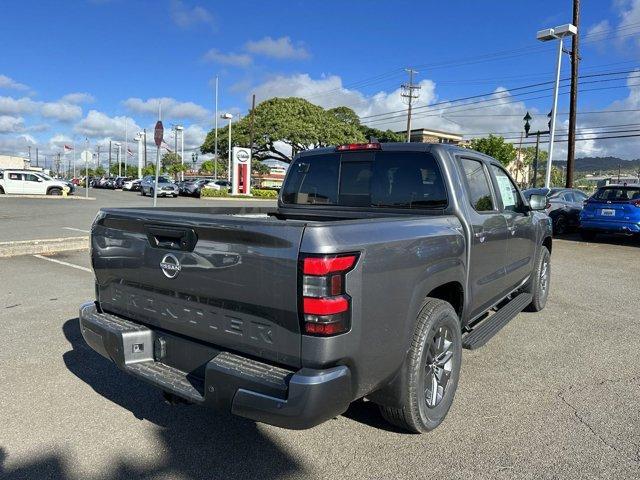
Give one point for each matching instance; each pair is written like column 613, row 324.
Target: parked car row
column 193, row 187
column 611, row 209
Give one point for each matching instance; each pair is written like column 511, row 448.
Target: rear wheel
column 1, row 191
column 142, row 192
column 540, row 281
column 588, row 235
column 431, row 370
column 54, row 191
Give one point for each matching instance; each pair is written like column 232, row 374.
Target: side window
column 479, row 191
column 508, row 191
column 579, row 196
column 31, row 178
column 15, row 176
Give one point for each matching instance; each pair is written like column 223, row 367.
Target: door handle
column 184, row 239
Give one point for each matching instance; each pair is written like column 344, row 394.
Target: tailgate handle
column 184, row 239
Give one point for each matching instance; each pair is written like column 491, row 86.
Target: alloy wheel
column 439, row 365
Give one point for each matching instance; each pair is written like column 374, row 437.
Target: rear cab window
column 377, row 179
column 618, row 194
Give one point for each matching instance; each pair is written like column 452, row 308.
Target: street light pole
column 552, row 127
column 545, row 35
column 228, row 116
column 215, row 142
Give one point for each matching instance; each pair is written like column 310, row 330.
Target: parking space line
column 66, row 264
column 76, row 229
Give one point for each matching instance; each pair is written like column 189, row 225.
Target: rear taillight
column 326, row 308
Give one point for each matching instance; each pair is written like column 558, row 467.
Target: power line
column 506, row 91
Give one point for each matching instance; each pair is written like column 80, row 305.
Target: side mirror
column 40, row 179
column 538, row 202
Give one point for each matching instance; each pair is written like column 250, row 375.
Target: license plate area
column 608, row 212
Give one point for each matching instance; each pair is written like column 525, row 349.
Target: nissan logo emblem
column 242, row 156
column 170, row 266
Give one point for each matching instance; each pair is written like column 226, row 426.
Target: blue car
column 612, row 209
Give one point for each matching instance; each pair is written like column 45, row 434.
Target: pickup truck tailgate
column 228, row 280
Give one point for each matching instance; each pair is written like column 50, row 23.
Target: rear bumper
column 243, row 386
column 609, row 226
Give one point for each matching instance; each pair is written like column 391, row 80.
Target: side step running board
column 482, row 333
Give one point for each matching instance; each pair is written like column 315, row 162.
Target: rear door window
column 480, row 194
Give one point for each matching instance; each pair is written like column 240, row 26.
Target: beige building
column 520, row 172
column 425, row 135
column 11, row 161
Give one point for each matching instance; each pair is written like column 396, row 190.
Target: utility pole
column 37, row 157
column 109, row 169
column 98, row 157
column 253, row 107
column 407, row 93
column 573, row 97
column 29, row 148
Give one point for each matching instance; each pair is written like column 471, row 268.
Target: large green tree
column 348, row 116
column 293, row 122
column 495, row 147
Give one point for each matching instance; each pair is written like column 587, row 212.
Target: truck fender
column 443, row 272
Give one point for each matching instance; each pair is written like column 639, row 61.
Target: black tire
column 54, row 191
column 1, row 191
column 540, row 282
column 142, row 192
column 437, row 323
column 560, row 225
column 588, row 235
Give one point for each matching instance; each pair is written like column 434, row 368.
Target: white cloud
column 11, row 124
column 280, row 48
column 171, row 108
column 9, row 83
column 64, row 112
column 599, row 29
column 329, row 92
column 17, row 106
column 97, row 125
column 60, row 110
column 232, row 59
column 78, row 98
column 184, row 16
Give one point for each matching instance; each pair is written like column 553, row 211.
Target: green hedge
column 256, row 192
column 210, row 192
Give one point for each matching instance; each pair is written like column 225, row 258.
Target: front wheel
column 560, row 225
column 540, row 281
column 54, row 191
column 431, row 370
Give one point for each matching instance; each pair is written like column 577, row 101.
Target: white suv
column 30, row 183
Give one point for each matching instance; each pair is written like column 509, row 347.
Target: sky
column 85, row 71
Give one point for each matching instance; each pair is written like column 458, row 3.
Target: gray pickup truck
column 379, row 265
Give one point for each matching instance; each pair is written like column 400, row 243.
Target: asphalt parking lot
column 36, row 218
column 554, row 395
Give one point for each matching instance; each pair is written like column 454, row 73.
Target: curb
column 45, row 245
column 48, row 197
